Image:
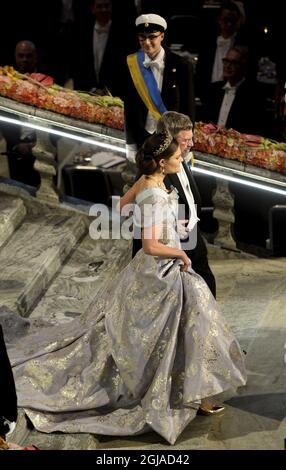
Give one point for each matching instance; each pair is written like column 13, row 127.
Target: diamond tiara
column 164, row 145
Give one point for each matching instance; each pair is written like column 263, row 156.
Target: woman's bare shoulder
column 144, row 183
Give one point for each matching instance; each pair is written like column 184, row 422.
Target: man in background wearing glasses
column 237, row 102
column 157, row 80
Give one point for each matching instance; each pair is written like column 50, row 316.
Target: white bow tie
column 228, row 88
column 101, row 30
column 222, row 41
column 153, row 64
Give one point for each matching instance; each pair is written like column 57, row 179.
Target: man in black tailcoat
column 181, row 128
column 102, row 43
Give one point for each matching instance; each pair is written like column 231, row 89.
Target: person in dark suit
column 20, row 140
column 237, row 102
column 171, row 78
column 280, row 92
column 102, row 41
column 181, row 128
column 8, row 397
column 228, row 31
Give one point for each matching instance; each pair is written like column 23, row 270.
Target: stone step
column 90, row 267
column 22, row 430
column 60, row 441
column 33, row 255
column 216, row 252
column 25, row 434
column 12, row 212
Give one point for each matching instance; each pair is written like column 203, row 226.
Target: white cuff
column 11, row 425
column 131, row 150
column 194, row 218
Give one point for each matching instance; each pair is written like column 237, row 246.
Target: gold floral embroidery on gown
column 151, row 347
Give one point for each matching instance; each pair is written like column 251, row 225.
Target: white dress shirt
column 223, row 45
column 184, row 180
column 100, row 37
column 229, row 95
column 67, row 11
column 157, row 66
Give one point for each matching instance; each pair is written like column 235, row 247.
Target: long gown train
column 151, row 348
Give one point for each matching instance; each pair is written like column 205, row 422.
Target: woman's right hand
column 186, row 262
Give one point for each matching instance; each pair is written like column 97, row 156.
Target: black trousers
column 8, row 397
column 200, row 264
column 199, row 258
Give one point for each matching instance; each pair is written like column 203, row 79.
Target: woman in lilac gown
column 152, row 349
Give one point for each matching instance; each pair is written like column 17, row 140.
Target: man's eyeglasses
column 151, row 37
column 234, row 62
column 189, row 141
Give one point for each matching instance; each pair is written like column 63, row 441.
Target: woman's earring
column 163, row 170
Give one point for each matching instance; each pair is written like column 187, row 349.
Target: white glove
column 11, row 426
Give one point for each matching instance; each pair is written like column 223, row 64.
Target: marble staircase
column 47, row 257
column 51, row 267
column 33, row 254
column 90, row 267
column 12, row 212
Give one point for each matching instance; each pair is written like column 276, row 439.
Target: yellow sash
column 140, row 85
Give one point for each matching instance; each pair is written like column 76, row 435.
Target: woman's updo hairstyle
column 157, row 146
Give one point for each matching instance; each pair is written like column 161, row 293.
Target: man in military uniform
column 157, row 80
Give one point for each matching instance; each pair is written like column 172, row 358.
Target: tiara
column 164, row 145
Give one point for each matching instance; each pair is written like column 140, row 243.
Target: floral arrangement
column 39, row 90
column 246, row 148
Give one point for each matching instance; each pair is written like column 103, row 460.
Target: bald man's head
column 26, row 57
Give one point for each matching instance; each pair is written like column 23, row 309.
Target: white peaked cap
column 151, row 18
